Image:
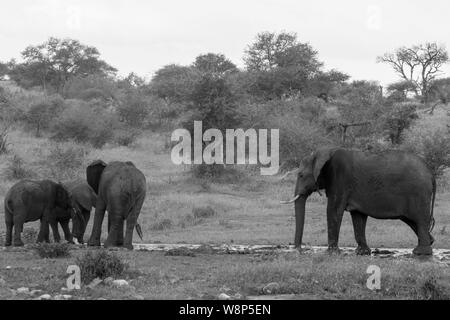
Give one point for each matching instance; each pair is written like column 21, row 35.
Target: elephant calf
column 83, row 200
column 30, row 200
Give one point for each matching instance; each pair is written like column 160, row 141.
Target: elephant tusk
column 288, row 174
column 290, row 201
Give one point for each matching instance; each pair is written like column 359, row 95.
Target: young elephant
column 121, row 189
column 83, row 199
column 30, row 200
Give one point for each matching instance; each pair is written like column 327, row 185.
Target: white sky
column 143, row 35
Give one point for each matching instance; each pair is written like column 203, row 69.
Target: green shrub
column 125, row 137
column 83, row 123
column 432, row 145
column 52, row 250
column 100, row 264
column 203, row 212
column 16, row 169
column 134, row 110
column 42, row 113
column 65, row 160
column 4, row 144
column 161, row 225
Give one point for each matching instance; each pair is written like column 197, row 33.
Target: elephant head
column 309, row 180
column 94, row 173
column 62, row 197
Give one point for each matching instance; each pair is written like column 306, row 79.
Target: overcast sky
column 143, row 35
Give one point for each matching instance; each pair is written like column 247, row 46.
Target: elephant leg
column 9, row 227
column 18, row 227
column 116, row 221
column 56, row 235
column 119, row 242
column 359, row 226
column 335, row 211
column 67, row 234
column 94, row 240
column 424, row 246
column 44, row 231
column 132, row 221
column 86, row 215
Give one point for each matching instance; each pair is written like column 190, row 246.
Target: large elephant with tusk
column 388, row 185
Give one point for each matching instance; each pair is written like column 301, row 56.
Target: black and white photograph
column 224, row 155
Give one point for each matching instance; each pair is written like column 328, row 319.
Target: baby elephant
column 30, row 200
column 83, row 200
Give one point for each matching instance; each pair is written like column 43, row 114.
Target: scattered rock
column 174, row 280
column 271, row 288
column 23, row 290
column 238, row 296
column 182, row 251
column 8, row 268
column 120, row 283
column 224, row 296
column 101, row 299
column 45, row 297
column 35, row 292
column 225, row 289
column 108, row 281
column 94, row 283
column 62, row 297
column 138, row 297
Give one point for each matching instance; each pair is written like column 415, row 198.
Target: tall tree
column 214, row 63
column 280, row 65
column 419, row 64
column 174, row 83
column 55, row 61
column 271, row 50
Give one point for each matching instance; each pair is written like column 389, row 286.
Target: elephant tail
column 139, row 231
column 433, row 198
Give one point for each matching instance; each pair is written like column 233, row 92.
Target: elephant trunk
column 300, row 204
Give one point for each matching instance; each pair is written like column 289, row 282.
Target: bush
column 52, row 250
column 43, row 112
column 16, row 169
column 399, row 119
column 433, row 146
column 82, row 123
column 203, row 212
column 125, row 137
column 65, row 160
column 161, row 225
column 134, row 110
column 100, row 264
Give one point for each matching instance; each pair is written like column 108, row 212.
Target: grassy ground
column 203, row 276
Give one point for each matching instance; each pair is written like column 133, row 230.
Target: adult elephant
column 120, row 189
column 388, row 185
column 83, row 200
column 30, row 200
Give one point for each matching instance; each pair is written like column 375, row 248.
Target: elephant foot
column 423, row 251
column 128, row 246
column 18, row 243
column 333, row 250
column 94, row 243
column 363, row 251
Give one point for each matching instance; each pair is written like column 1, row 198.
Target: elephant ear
column 62, row 196
column 94, row 173
column 321, row 157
